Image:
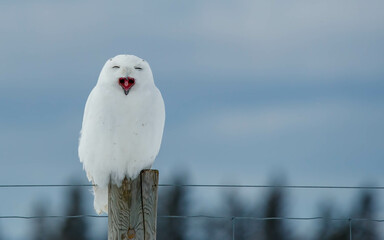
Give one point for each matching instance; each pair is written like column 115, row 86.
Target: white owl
column 122, row 125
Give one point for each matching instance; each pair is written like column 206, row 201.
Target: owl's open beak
column 126, row 83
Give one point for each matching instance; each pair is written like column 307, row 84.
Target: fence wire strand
column 233, row 219
column 205, row 186
column 230, row 218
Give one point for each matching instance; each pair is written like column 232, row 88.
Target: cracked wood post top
column 132, row 208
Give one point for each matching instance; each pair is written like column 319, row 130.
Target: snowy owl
column 122, row 125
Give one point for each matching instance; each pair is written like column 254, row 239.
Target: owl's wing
column 88, row 107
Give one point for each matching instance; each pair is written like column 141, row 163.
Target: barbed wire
column 52, row 216
column 273, row 186
column 43, row 185
column 205, row 186
column 233, row 219
column 203, row 217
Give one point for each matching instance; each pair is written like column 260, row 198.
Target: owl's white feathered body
column 122, row 126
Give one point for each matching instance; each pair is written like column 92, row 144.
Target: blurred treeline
column 177, row 201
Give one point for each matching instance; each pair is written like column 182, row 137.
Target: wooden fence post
column 132, row 208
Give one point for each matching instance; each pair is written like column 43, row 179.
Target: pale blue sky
column 252, row 89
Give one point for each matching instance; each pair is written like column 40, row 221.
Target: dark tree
column 332, row 230
column 274, row 207
column 235, row 206
column 41, row 230
column 325, row 225
column 222, row 229
column 365, row 210
column 173, row 202
column 74, row 228
column 361, row 230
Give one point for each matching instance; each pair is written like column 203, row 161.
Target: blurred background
column 256, row 92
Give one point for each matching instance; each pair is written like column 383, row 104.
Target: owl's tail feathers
column 101, row 199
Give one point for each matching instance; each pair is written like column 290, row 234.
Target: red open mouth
column 126, row 83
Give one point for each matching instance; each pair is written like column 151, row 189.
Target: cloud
column 285, row 118
column 325, row 39
column 251, row 41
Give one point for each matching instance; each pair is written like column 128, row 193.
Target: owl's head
column 127, row 73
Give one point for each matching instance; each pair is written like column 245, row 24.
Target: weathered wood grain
column 132, row 208
column 149, row 180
